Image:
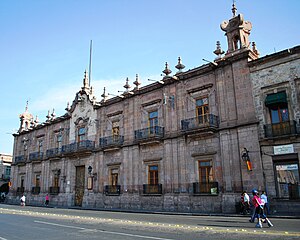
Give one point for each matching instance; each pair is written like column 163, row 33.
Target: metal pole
column 90, row 64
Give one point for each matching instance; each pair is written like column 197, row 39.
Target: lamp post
column 246, row 158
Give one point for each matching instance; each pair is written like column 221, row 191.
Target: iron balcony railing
column 206, row 188
column 20, row 159
column 152, row 188
column 281, row 129
column 35, row 190
column 112, row 189
column 205, row 121
column 54, row 190
column 35, row 156
column 5, row 177
column 111, row 141
column 53, row 152
column 78, row 146
column 151, row 132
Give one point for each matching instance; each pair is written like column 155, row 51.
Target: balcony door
column 202, row 110
column 205, row 175
column 153, row 121
column 280, row 119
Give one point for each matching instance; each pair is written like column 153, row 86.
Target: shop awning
column 275, row 98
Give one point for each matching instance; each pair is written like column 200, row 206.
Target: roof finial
column 218, row 50
column 127, row 86
column 137, row 82
column 48, row 116
column 167, row 71
column 179, row 66
column 104, row 95
column 53, row 115
column 234, row 8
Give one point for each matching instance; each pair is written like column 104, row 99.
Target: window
column 22, row 181
column 236, row 42
column 37, row 180
column 115, row 131
column 153, row 175
column 7, row 170
column 59, row 139
column 56, row 181
column 153, row 121
column 206, row 183
column 40, row 146
column 279, row 113
column 287, row 180
column 277, row 104
column 114, row 175
column 202, row 110
column 205, row 171
column 81, row 134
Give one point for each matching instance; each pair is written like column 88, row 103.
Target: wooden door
column 79, row 185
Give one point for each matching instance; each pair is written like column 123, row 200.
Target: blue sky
column 45, row 45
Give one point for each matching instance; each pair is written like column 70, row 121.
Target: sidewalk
column 275, row 215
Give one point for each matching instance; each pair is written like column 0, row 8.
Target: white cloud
column 58, row 96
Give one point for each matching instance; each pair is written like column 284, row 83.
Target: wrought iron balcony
column 155, row 132
column 53, row 152
column 36, row 156
column 281, row 129
column 20, row 159
column 54, row 190
column 5, row 177
column 86, row 145
column 35, row 190
column 111, row 141
column 206, row 188
column 201, row 122
column 152, row 188
column 112, row 189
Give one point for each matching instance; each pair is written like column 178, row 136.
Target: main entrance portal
column 79, row 185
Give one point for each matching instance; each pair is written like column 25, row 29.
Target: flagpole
column 90, row 64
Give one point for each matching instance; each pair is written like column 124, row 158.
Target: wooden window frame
column 204, row 108
column 156, row 176
column 209, row 171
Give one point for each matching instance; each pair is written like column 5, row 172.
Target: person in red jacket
column 259, row 206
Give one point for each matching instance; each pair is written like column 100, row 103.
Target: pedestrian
column 245, row 203
column 263, row 215
column 47, row 200
column 264, row 197
column 258, row 205
column 2, row 198
column 23, row 200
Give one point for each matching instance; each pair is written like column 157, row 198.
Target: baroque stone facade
column 180, row 144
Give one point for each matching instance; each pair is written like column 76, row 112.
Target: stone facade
column 174, row 145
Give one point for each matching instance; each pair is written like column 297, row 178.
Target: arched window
column 236, row 42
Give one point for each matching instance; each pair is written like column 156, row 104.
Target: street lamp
column 90, row 169
column 246, row 158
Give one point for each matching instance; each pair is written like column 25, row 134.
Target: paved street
column 55, row 223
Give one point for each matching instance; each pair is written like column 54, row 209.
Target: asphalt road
column 55, row 223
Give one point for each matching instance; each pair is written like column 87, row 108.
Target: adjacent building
column 276, row 92
column 192, row 141
column 5, row 169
